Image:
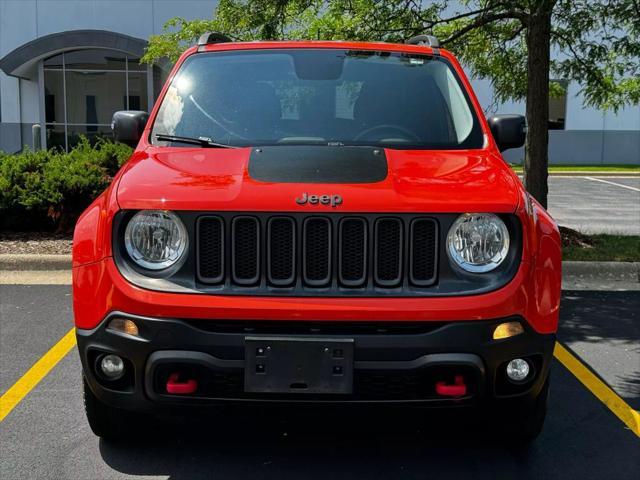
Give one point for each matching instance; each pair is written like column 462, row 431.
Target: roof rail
column 425, row 40
column 213, row 37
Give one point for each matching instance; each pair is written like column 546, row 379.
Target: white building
column 67, row 65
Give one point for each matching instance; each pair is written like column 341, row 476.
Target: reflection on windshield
column 170, row 113
column 319, row 96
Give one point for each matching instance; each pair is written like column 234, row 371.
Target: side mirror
column 128, row 125
column 509, row 131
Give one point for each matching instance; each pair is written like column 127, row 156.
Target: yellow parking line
column 611, row 399
column 37, row 372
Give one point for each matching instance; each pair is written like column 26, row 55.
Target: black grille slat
column 317, row 251
column 210, row 243
column 245, row 244
column 388, row 252
column 353, row 252
column 424, row 241
column 301, row 254
column 281, row 251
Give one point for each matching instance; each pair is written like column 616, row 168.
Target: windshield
column 319, row 97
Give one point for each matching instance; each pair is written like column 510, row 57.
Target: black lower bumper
column 392, row 362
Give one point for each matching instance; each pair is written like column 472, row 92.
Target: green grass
column 606, row 248
column 588, row 168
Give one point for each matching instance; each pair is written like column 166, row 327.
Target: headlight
column 155, row 239
column 478, row 242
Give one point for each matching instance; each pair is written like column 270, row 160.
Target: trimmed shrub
column 47, row 190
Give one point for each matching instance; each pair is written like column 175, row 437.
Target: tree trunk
column 536, row 160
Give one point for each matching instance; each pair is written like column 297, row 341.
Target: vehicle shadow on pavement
column 582, row 439
column 321, row 444
column 605, row 322
column 592, row 316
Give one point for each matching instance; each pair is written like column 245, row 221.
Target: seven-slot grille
column 317, row 252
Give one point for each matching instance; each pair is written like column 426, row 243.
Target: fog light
column 518, row 369
column 507, row 329
column 124, row 325
column 112, row 366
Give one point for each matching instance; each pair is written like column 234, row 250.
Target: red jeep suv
column 316, row 222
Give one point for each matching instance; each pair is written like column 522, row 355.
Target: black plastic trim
column 287, row 281
column 213, row 37
column 451, row 280
column 427, row 281
column 379, row 281
column 360, row 281
column 220, row 277
column 239, row 280
column 310, row 281
column 451, row 343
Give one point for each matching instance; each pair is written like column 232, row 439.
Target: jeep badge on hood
column 333, row 200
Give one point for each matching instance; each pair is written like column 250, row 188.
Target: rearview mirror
column 128, row 125
column 509, row 131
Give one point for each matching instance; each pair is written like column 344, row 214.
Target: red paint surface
column 418, row 181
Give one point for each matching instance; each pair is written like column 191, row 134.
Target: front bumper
column 394, row 362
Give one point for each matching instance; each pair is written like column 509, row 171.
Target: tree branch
column 485, row 20
column 567, row 43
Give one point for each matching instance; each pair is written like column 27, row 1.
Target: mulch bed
column 573, row 238
column 35, row 243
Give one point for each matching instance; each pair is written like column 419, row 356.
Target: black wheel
column 524, row 420
column 108, row 422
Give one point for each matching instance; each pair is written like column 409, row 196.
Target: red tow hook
column 458, row 389
column 181, row 388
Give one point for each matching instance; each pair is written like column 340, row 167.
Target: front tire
column 108, row 422
column 524, row 420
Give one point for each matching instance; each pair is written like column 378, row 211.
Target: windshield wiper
column 202, row 141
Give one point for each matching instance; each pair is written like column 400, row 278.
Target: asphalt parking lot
column 593, row 204
column 46, row 434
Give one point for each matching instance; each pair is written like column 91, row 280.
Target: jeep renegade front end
column 325, row 222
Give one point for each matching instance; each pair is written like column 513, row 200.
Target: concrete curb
column 601, row 276
column 626, row 270
column 582, row 173
column 11, row 262
column 595, row 174
column 629, row 271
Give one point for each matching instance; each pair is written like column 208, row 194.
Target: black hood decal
column 318, row 164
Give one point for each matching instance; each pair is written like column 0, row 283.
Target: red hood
column 218, row 179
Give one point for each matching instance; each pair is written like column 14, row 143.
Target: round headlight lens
column 478, row 242
column 155, row 239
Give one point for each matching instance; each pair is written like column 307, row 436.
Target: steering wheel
column 408, row 134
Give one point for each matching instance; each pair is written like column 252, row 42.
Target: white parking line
column 613, row 183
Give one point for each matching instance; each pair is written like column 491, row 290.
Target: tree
column 506, row 41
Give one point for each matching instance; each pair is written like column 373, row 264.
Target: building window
column 82, row 90
column 557, row 104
